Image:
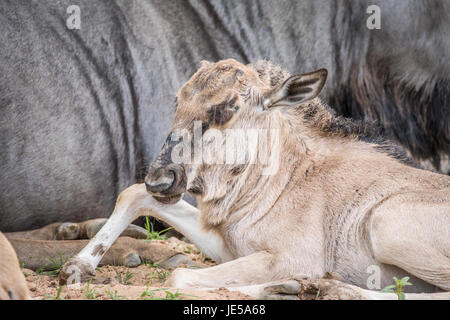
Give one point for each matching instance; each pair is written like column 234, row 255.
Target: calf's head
column 221, row 96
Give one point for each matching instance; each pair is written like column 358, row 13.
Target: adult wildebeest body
column 83, row 111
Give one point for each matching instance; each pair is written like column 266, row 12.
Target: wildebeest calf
column 324, row 200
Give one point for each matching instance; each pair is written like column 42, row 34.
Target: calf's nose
column 159, row 180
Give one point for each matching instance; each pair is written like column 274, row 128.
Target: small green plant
column 152, row 234
column 147, row 293
column 318, row 294
column 124, row 279
column 89, row 292
column 53, row 268
column 113, row 296
column 52, row 297
column 21, row 265
column 150, row 294
column 173, row 296
column 204, row 257
column 397, row 288
column 162, row 274
column 158, row 274
column 149, row 263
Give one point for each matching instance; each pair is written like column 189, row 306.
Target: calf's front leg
column 132, row 203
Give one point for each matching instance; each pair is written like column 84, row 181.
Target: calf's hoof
column 283, row 290
column 75, row 271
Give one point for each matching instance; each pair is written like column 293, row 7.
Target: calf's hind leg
column 256, row 276
column 324, row 289
column 412, row 232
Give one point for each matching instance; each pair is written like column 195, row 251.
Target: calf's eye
column 221, row 113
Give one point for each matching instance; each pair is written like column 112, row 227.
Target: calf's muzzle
column 166, row 183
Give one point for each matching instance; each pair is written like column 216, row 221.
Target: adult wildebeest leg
column 131, row 203
column 54, row 231
column 35, row 247
column 125, row 251
column 73, row 231
column 402, row 235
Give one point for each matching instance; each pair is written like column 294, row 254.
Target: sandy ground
column 121, row 283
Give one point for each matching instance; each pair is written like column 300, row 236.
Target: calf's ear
column 297, row 89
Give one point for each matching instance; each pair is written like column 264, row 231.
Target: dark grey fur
column 83, row 112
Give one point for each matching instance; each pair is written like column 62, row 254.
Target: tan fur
column 336, row 204
column 12, row 280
